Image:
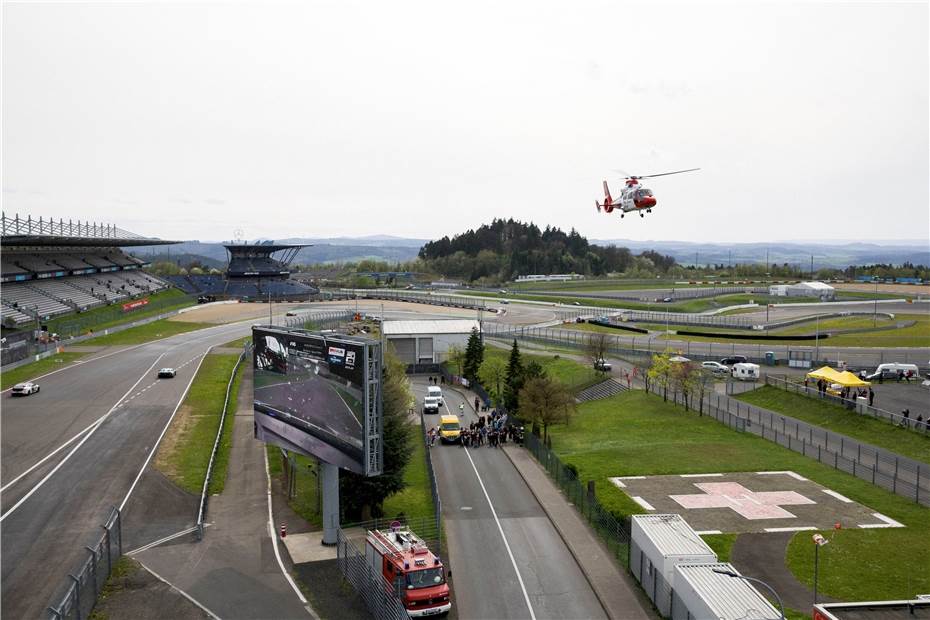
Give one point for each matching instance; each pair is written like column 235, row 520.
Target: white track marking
column 643, row 503
column 155, row 543
column 784, row 473
column 87, row 436
column 842, row 498
column 52, row 453
column 180, row 591
column 887, row 522
column 631, row 477
column 699, row 475
column 618, row 482
column 500, row 528
column 164, row 430
column 707, row 532
column 791, row 529
column 274, row 542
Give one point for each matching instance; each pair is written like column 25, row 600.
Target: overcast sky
column 190, row 121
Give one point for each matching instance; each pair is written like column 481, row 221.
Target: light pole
column 817, row 339
column 729, row 573
column 819, row 541
column 875, row 311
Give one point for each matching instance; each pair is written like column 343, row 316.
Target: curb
column 558, row 529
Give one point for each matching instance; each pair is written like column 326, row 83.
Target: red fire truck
column 411, row 569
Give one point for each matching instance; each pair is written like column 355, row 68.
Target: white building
column 428, row 341
column 554, row 277
column 700, row 592
column 810, row 289
column 778, row 290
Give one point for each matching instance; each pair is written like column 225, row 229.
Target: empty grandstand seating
column 62, row 291
column 35, row 263
column 70, row 262
column 18, row 318
column 21, row 295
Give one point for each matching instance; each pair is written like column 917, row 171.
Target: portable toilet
column 700, row 592
column 657, row 544
column 770, row 358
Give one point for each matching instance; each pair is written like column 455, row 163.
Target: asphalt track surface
column 488, row 507
column 77, row 448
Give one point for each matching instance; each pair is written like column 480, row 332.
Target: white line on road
column 643, row 503
column 155, row 543
column 164, row 430
column 707, row 532
column 790, row 529
column 699, row 475
column 501, row 530
column 52, row 453
column 180, row 591
column 842, row 498
column 87, row 436
column 274, row 543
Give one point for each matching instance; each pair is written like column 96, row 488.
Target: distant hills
column 836, row 254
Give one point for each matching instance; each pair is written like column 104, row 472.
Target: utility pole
column 875, row 311
column 270, row 315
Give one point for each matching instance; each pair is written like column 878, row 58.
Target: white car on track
column 24, row 389
column 167, row 373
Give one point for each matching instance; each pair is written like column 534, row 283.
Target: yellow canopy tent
column 847, row 379
column 826, row 373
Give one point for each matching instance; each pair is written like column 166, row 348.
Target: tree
column 456, row 357
column 545, row 401
column 534, row 370
column 362, row 497
column 474, row 355
column 684, row 378
column 596, row 347
column 660, row 372
column 514, row 380
column 493, row 371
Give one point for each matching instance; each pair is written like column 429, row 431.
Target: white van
column 745, row 371
column 434, row 391
column 890, row 371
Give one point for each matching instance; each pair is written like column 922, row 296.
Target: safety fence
column 885, row 469
column 370, row 585
column 645, row 346
column 433, row 485
column 862, row 408
column 613, row 530
column 79, row 324
column 651, row 295
column 316, row 319
column 84, row 585
column 454, row 301
column 204, row 494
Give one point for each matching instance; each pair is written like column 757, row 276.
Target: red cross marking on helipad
column 751, row 505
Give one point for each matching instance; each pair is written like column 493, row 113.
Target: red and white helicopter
column 633, row 196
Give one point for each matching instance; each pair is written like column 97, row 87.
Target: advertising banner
column 132, row 305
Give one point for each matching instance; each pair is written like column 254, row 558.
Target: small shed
column 702, row 593
column 427, row 341
column 657, row 544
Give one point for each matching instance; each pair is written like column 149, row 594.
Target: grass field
column 567, row 371
column 836, row 418
column 415, row 501
column 145, row 333
column 32, row 370
column 307, row 497
column 638, row 434
column 185, row 453
column 98, row 319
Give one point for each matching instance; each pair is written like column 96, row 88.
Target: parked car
column 715, row 368
column 602, row 365
column 167, row 373
column 734, row 359
column 891, row 370
column 24, row 389
column 504, row 301
column 431, row 404
column 290, row 313
column 576, row 303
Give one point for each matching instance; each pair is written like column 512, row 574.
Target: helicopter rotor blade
column 663, row 174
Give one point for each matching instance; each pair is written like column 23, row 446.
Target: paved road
column 485, row 503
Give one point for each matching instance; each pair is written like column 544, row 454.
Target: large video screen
column 319, row 395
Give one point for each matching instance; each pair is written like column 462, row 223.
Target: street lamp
column 819, row 541
column 875, row 311
column 730, row 573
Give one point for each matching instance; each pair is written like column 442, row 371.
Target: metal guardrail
column 202, row 511
column 433, row 485
column 83, row 587
column 922, row 427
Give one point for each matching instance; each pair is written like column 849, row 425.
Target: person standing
column 871, row 396
column 477, row 405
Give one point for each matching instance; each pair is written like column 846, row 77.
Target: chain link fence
column 79, row 324
column 84, row 585
column 374, row 590
column 896, row 419
column 433, row 485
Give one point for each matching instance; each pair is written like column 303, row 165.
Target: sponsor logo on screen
column 337, row 355
column 350, row 360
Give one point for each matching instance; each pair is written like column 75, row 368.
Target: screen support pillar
column 329, row 475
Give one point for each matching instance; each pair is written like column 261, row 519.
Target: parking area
column 772, row 501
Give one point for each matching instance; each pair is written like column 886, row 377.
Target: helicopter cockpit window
column 642, row 193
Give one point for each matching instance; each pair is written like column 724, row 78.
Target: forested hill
column 506, row 249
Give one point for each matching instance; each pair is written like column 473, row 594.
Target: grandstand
column 251, row 274
column 50, row 268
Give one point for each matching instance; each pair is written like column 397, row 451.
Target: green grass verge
column 221, row 464
column 569, row 372
column 103, row 317
column 836, row 418
column 145, row 333
column 35, row 369
column 184, row 460
column 115, row 583
column 415, row 501
column 722, row 544
column 635, row 433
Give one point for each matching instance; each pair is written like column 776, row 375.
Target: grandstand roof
column 263, row 247
column 18, row 231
